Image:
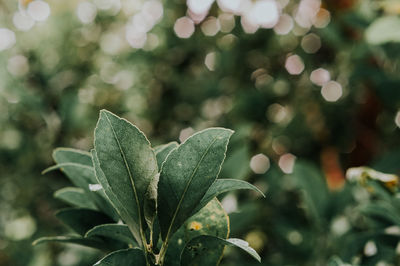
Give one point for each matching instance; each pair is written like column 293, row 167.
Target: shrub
column 144, row 205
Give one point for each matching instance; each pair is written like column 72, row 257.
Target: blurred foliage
column 61, row 72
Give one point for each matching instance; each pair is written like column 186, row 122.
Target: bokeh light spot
column 332, row 91
column 320, row 76
column 294, row 65
column 259, row 163
column 184, row 27
column 7, row 39
column 311, row 43
column 38, row 10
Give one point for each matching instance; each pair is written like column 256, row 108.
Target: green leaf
column 150, row 203
column 75, row 197
column 382, row 211
column 383, row 30
column 81, row 220
column 121, row 209
column 336, row 261
column 310, row 180
column 162, row 151
column 80, row 175
column 210, row 220
column 128, row 162
column 200, row 249
column 94, row 243
column 224, row 185
column 80, row 171
column 132, row 256
column 236, row 165
column 186, row 175
column 68, row 155
column 118, row 232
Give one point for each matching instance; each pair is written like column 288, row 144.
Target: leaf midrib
column 187, row 186
column 129, row 172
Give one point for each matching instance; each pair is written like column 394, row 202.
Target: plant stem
column 163, row 251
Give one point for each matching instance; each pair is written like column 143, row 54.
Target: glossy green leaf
column 198, row 251
column 81, row 220
column 162, row 151
column 78, row 240
column 210, row 220
column 118, row 232
column 224, row 185
column 128, row 162
column 75, row 197
column 132, row 256
column 186, row 175
column 121, row 209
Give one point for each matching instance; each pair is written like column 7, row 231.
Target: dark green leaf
column 94, row 243
column 382, row 211
column 312, row 183
column 210, row 220
column 118, row 232
column 198, row 251
column 186, row 175
column 132, row 256
column 81, row 220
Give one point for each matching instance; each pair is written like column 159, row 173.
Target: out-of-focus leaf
column 382, row 211
column 236, row 165
column 312, row 183
column 383, row 30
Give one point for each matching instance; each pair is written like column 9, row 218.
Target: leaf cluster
column 144, row 205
